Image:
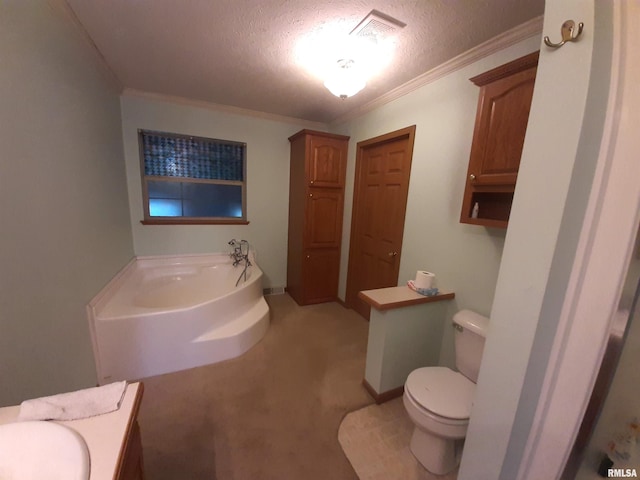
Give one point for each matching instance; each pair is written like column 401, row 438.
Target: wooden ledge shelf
column 398, row 297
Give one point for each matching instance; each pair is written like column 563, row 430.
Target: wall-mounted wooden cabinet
column 501, row 123
column 316, row 203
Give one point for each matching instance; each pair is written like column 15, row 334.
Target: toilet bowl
column 438, row 400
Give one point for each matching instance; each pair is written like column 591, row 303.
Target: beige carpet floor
column 272, row 413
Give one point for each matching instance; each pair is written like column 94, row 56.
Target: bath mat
column 376, row 438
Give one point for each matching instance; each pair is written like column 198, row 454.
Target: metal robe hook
column 567, row 34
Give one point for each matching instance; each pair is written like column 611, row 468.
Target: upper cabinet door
column 501, row 122
column 327, row 162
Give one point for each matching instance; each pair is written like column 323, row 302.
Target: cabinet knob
column 311, row 194
column 472, row 177
column 311, row 182
column 393, row 254
column 308, row 256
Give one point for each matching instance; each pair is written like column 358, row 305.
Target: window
column 192, row 179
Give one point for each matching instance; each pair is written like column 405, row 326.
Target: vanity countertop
column 106, row 435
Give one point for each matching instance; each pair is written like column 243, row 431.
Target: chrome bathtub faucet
column 240, row 254
column 240, row 251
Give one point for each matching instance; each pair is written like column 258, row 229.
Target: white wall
column 267, row 182
column 557, row 168
column 465, row 258
column 63, row 200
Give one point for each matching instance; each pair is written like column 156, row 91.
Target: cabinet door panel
column 132, row 460
column 321, row 269
column 503, row 124
column 324, row 218
column 327, row 162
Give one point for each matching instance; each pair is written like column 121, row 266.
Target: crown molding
column 65, row 10
column 510, row 37
column 183, row 101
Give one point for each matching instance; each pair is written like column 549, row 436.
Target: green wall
column 267, row 181
column 465, row 258
column 63, row 199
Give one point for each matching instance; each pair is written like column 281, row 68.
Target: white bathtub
column 167, row 313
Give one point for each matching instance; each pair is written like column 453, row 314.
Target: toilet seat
column 441, row 392
column 423, row 417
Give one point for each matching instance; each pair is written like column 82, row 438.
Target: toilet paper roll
column 424, row 280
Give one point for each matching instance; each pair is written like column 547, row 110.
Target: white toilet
column 438, row 399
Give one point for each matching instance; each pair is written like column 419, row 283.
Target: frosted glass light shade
column 345, row 81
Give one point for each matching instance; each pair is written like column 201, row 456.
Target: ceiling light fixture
column 345, row 80
column 370, row 42
column 345, row 62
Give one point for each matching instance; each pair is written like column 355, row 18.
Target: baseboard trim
column 273, row 291
column 384, row 396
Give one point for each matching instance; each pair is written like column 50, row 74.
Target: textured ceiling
column 242, row 53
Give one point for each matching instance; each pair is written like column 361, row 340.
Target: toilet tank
column 470, row 333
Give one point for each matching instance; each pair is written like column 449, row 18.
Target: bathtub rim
column 98, row 302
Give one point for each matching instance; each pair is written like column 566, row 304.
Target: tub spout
column 240, row 252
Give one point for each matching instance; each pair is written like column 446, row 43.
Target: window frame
column 182, row 220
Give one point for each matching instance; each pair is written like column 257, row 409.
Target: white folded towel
column 74, row 405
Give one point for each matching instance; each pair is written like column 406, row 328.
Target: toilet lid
column 442, row 391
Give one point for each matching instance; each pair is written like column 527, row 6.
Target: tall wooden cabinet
column 501, row 123
column 316, row 202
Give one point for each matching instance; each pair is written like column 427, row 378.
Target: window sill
column 193, row 221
